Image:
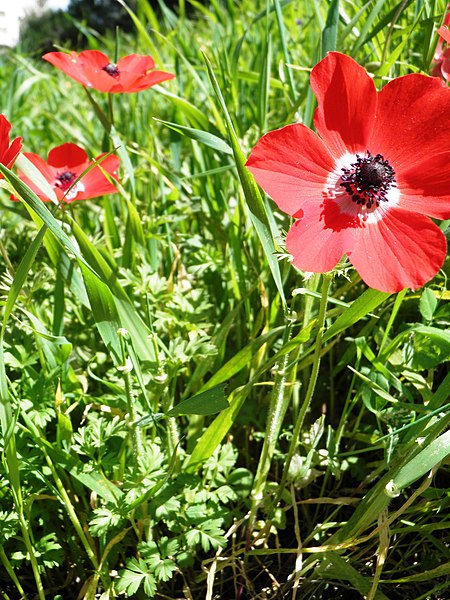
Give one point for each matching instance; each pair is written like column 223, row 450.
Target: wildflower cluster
column 68, row 170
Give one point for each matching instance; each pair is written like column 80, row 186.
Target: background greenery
column 163, row 298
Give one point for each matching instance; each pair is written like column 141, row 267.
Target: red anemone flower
column 65, row 165
column 93, row 69
column 441, row 62
column 363, row 186
column 8, row 151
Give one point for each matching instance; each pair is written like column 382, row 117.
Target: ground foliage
column 163, row 294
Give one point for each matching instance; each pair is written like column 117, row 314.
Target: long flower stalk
column 311, row 387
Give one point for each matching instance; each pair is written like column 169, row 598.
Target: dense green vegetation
column 130, row 321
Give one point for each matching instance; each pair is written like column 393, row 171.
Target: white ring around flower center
column 334, row 191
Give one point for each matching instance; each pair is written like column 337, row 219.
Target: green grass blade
column 330, row 31
column 360, row 308
column 251, row 192
column 203, row 137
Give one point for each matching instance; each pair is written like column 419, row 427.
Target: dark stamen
column 112, row 70
column 64, row 180
column 368, row 179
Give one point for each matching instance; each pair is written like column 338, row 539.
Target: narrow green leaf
column 21, row 274
column 330, row 31
column 336, row 567
column 423, row 462
column 203, row 137
column 33, row 173
column 240, row 360
column 360, row 308
column 427, row 304
column 218, row 429
column 104, row 312
column 251, row 191
column 207, row 403
column 39, row 208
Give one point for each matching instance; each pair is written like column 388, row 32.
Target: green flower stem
column 311, row 387
column 136, row 436
column 278, row 405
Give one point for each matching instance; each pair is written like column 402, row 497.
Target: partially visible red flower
column 93, row 69
column 65, row 164
column 441, row 62
column 364, row 185
column 8, row 151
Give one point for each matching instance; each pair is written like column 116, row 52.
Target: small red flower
column 8, row 151
column 65, row 164
column 441, row 63
column 93, row 69
column 363, row 186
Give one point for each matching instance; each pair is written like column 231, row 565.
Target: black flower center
column 368, row 179
column 112, row 70
column 64, row 180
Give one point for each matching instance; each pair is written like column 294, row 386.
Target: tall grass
column 184, row 415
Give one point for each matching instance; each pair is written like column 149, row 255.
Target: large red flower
column 65, row 165
column 93, row 69
column 8, row 151
column 363, row 186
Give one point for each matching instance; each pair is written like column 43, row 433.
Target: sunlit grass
column 116, row 492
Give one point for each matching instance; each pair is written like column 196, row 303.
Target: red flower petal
column 292, row 165
column 68, row 155
column 70, row 64
column 400, row 250
column 346, row 97
column 317, row 241
column 136, row 63
column 95, row 182
column 427, row 190
column 88, row 69
column 444, row 33
column 94, row 59
column 150, row 80
column 5, row 128
column 413, row 120
column 12, row 153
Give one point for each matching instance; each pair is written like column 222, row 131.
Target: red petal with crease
column 151, row 79
column 12, row 153
column 317, row 241
column 292, row 165
column 67, row 155
column 69, row 64
column 413, row 120
column 8, row 151
column 136, row 63
column 346, row 98
column 402, row 250
column 427, row 190
column 5, row 128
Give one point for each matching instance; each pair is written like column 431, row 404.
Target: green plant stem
column 311, row 387
column 278, row 405
column 135, row 431
column 398, row 302
column 8, row 567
